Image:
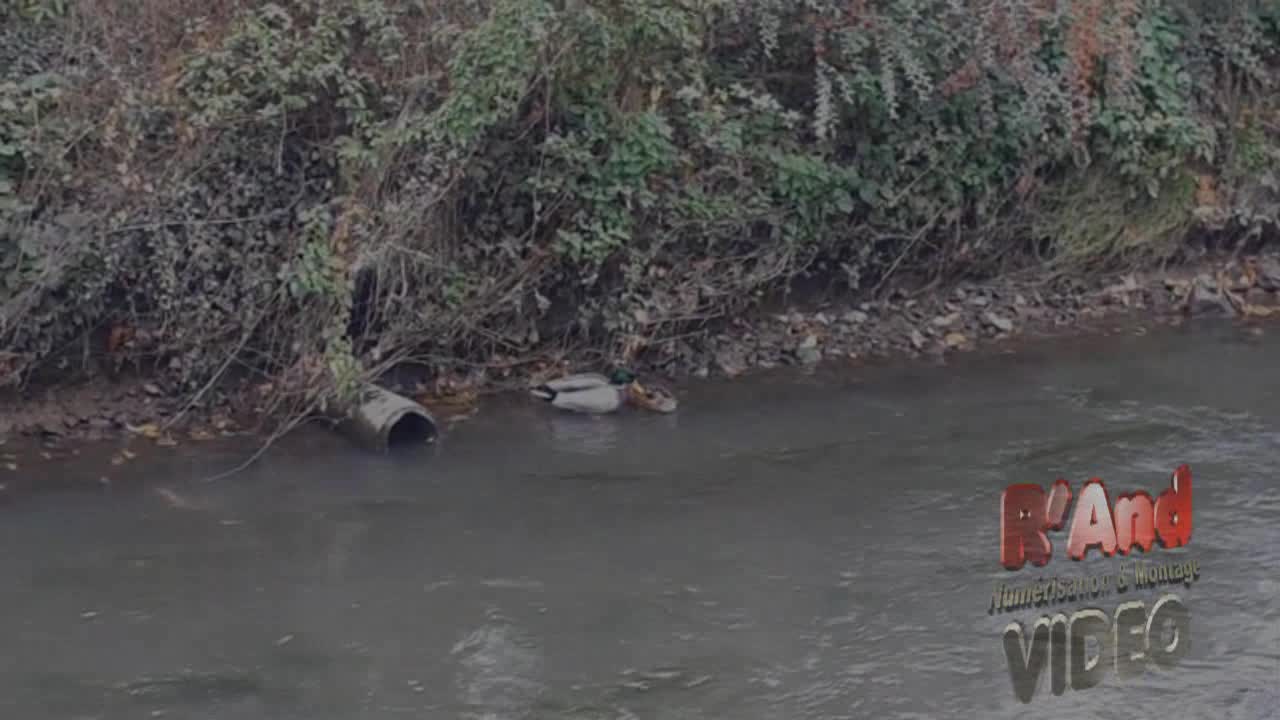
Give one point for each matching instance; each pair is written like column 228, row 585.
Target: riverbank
column 905, row 323
column 241, row 214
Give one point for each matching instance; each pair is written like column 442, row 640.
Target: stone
column 1002, row 324
column 855, row 317
column 1269, row 274
column 1258, row 296
column 1206, row 299
column 730, row 363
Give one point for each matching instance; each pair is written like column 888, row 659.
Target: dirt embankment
column 930, row 323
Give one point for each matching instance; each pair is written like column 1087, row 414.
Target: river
column 796, row 545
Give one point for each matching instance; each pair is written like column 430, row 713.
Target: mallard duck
column 656, row 398
column 596, row 394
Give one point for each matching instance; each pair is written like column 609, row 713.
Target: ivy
column 378, row 179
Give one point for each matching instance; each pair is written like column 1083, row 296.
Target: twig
column 893, row 202
column 905, row 251
column 231, row 356
column 279, row 433
column 197, row 223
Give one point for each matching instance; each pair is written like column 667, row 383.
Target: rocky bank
column 935, row 323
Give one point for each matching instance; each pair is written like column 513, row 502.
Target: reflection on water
column 588, row 435
column 784, row 547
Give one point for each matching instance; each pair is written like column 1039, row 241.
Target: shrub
column 309, row 191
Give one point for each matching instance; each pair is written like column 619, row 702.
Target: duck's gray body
column 585, row 393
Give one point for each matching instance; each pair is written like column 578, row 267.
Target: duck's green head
column 622, row 376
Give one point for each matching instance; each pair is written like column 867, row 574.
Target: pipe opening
column 411, row 429
column 383, row 420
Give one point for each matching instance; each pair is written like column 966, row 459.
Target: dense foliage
column 311, row 190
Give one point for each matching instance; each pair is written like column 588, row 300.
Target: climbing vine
column 316, row 189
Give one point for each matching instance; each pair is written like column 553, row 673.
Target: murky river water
column 816, row 546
